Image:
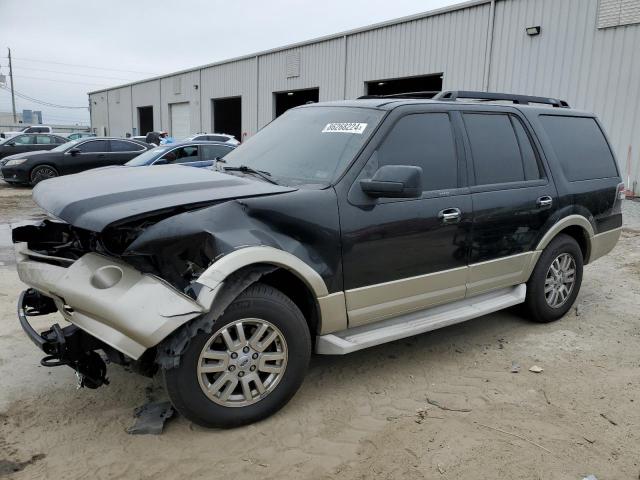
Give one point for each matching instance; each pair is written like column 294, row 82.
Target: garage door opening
column 293, row 98
column 145, row 120
column 227, row 116
column 180, row 118
column 423, row 83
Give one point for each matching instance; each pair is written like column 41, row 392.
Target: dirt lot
column 371, row 414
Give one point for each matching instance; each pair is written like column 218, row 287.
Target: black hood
column 26, row 154
column 97, row 198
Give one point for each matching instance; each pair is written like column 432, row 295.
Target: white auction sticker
column 345, row 128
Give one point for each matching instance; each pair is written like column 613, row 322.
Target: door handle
column 545, row 201
column 450, row 215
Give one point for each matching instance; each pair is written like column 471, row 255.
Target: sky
column 61, row 50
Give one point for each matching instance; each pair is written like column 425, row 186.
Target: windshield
column 309, row 145
column 147, row 157
column 65, row 146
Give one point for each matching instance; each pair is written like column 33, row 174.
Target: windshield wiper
column 244, row 169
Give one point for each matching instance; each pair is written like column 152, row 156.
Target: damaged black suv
column 383, row 218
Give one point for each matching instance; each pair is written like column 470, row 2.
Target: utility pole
column 13, row 96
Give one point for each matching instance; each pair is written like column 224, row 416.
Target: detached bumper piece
column 64, row 346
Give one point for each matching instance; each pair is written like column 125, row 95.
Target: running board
column 414, row 323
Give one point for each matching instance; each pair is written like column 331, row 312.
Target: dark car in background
column 193, row 154
column 71, row 157
column 29, row 142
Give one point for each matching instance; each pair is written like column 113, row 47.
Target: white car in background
column 213, row 137
column 28, row 129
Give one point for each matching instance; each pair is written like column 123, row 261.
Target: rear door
column 90, row 154
column 122, row 151
column 44, row 142
column 512, row 198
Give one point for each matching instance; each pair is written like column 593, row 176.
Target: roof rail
column 493, row 96
column 423, row 94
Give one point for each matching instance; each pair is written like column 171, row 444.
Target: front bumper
column 14, row 175
column 107, row 298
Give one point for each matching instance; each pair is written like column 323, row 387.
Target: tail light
column 620, row 196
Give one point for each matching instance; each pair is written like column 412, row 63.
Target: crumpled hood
column 97, row 198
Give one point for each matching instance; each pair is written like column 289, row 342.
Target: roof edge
column 333, row 36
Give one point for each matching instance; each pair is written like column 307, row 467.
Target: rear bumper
column 106, row 298
column 603, row 243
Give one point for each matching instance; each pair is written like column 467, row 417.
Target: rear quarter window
column 580, row 147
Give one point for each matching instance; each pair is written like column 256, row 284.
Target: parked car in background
column 193, row 154
column 78, row 135
column 29, row 142
column 213, row 137
column 71, row 157
column 28, row 129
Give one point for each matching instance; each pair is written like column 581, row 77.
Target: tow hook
column 64, row 346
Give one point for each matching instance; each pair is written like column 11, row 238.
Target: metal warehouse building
column 584, row 51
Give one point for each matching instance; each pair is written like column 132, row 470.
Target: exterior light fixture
column 533, row 31
column 290, row 93
column 380, row 84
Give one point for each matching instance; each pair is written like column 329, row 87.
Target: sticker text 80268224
column 346, row 127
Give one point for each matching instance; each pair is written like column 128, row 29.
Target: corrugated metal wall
column 452, row 44
column 596, row 69
column 119, row 111
column 321, row 65
column 179, row 89
column 234, row 79
column 146, row 94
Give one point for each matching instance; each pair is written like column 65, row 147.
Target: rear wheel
column 555, row 281
column 248, row 367
column 42, row 172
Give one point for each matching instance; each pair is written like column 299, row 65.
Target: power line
column 81, row 66
column 40, row 102
column 71, row 73
column 60, row 81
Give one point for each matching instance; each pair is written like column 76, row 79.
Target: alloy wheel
column 560, row 280
column 242, row 362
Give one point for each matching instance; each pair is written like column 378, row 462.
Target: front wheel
column 555, row 281
column 249, row 367
column 42, row 172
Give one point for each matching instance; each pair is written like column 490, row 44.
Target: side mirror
column 394, row 181
column 74, row 151
column 11, row 144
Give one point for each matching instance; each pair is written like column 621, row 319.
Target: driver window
column 182, row 155
column 423, row 140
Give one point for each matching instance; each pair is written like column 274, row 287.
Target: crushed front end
column 109, row 305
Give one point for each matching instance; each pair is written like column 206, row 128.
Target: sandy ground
column 370, row 414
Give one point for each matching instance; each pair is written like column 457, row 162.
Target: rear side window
column 93, row 146
column 211, row 152
column 122, row 146
column 423, row 140
column 43, row 139
column 501, row 149
column 580, row 147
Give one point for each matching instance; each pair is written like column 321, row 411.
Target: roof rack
column 424, row 94
column 493, row 96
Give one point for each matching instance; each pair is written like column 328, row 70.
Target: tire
column 197, row 387
column 541, row 305
column 42, row 172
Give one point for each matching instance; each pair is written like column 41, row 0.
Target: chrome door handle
column 545, row 201
column 450, row 215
